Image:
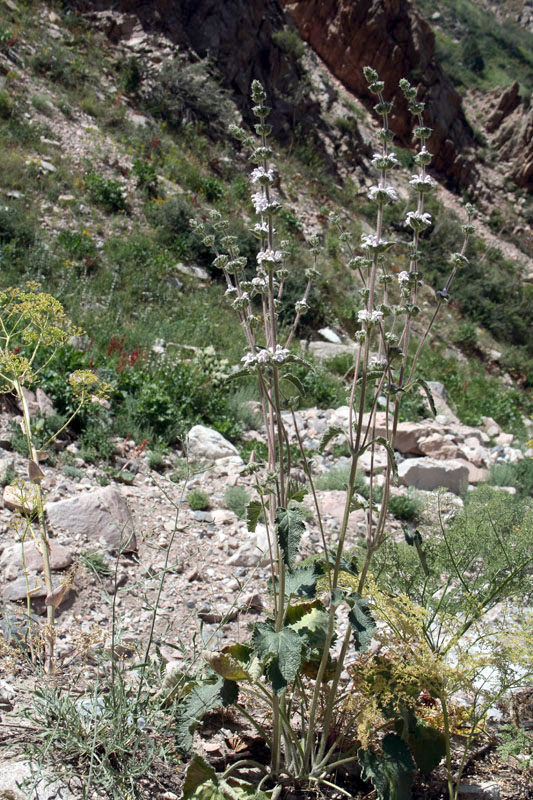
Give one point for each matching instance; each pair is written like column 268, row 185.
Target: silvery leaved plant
column 321, row 612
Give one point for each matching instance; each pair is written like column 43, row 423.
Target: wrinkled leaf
column 391, row 773
column 329, row 434
column 301, row 582
column 312, row 627
column 427, row 745
column 198, row 772
column 294, row 381
column 253, row 512
column 289, row 527
column 281, row 653
column 225, row 665
column 361, row 620
column 201, row 699
column 427, row 391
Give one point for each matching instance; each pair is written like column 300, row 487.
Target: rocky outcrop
column 391, row 37
column 236, row 36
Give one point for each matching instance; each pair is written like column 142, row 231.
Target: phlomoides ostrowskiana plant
column 294, row 661
column 33, row 325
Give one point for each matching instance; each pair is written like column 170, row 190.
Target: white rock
column 13, row 773
column 206, row 443
column 330, row 336
column 429, row 474
column 99, row 514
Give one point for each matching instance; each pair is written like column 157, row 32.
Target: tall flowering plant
column 296, row 658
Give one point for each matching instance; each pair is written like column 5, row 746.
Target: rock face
column 391, row 37
column 99, row 514
column 237, row 37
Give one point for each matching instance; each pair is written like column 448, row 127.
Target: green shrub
column 405, row 507
column 289, row 42
column 146, row 177
column 107, row 193
column 95, row 442
column 518, row 474
column 198, row 500
column 184, row 93
column 237, row 500
column 131, row 75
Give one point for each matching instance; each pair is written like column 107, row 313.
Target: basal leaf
column 391, row 773
column 253, row 512
column 428, row 746
column 225, row 665
column 201, row 699
column 198, row 772
column 289, row 527
column 361, row 620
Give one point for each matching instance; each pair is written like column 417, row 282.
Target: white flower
column 385, row 193
column 248, row 359
column 261, row 227
column 269, row 257
column 382, row 161
column 263, row 357
column 422, row 183
column 263, row 176
column 371, row 242
column 417, row 221
column 230, row 291
column 369, row 318
column 260, row 202
column 403, row 277
column 280, row 355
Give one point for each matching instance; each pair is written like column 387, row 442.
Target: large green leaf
column 312, row 627
column 280, row 651
column 392, row 772
column 428, row 746
column 290, row 527
column 361, row 620
column 226, row 665
column 201, row 699
column 301, row 582
column 202, row 783
column 198, row 773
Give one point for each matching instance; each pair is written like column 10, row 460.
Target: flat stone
column 488, row 790
column 60, row 556
column 429, row 474
column 323, row 351
column 206, row 443
column 40, row 786
column 101, row 513
column 22, row 497
column 18, row 590
column 194, row 272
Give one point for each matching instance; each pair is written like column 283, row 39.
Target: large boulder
column 98, row 514
column 429, row 474
column 205, row 443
